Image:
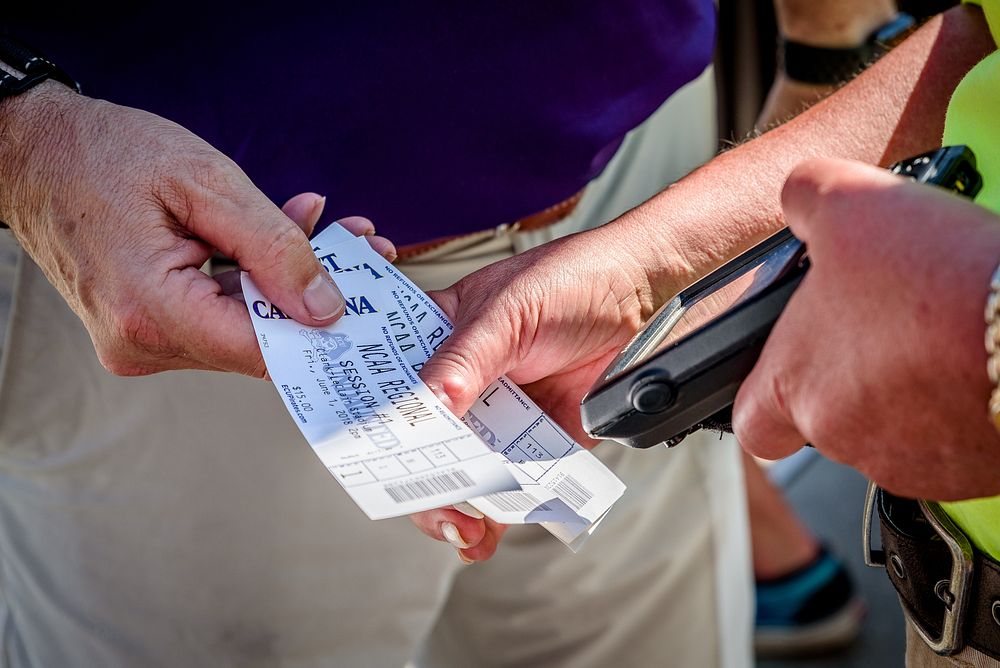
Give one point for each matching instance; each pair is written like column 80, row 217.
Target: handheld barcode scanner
column 680, row 373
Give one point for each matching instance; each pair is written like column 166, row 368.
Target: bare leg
column 780, row 543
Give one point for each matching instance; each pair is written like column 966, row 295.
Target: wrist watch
column 34, row 68
column 831, row 66
column 993, row 345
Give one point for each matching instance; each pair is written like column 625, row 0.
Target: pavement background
column 830, row 499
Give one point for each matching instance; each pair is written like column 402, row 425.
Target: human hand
column 120, row 209
column 305, row 210
column 551, row 319
column 878, row 359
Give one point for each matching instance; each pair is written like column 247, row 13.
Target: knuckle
column 135, row 327
column 282, row 239
column 135, row 330
column 810, row 187
column 448, row 371
column 778, row 395
column 115, row 363
column 196, row 182
column 216, row 174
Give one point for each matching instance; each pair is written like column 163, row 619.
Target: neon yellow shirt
column 974, row 119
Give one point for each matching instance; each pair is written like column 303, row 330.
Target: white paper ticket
column 378, row 429
column 562, row 485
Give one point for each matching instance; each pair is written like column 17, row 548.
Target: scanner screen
column 686, row 313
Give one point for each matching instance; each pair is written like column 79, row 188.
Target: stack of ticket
column 352, row 388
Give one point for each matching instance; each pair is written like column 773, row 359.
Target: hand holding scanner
column 681, row 372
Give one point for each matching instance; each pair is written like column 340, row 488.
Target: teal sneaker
column 812, row 610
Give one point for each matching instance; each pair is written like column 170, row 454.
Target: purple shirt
column 432, row 119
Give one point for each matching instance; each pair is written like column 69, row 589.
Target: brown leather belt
column 950, row 590
column 535, row 221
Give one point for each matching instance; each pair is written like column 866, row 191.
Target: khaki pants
column 181, row 520
column 919, row 655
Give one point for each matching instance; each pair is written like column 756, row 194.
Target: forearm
column 893, row 110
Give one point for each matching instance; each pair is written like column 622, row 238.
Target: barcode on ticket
column 429, row 486
column 516, row 502
column 572, row 492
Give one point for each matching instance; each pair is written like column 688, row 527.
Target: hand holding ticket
column 353, row 390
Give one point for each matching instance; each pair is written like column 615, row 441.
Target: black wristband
column 35, row 67
column 831, row 66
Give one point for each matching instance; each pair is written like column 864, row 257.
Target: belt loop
column 873, row 558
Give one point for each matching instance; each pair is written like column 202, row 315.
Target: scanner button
column 652, row 397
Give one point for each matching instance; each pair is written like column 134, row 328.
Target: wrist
column 965, row 339
column 650, row 258
column 833, row 24
column 835, row 58
column 31, row 125
column 700, row 222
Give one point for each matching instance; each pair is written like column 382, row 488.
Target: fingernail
column 465, row 559
column 450, row 533
column 439, row 392
column 390, row 257
column 467, row 508
column 322, row 298
column 318, row 207
column 371, row 233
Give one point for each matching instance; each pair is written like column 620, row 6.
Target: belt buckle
column 955, row 596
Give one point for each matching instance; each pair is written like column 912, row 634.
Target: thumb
column 274, row 250
column 761, row 421
column 475, row 355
